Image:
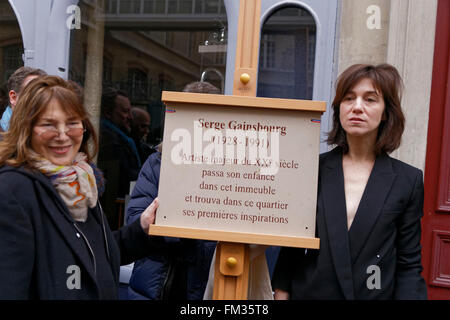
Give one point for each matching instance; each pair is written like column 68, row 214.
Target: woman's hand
column 149, row 215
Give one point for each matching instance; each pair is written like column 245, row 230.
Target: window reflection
column 169, row 58
column 164, row 6
column 287, row 53
column 148, row 46
column 12, row 59
column 11, row 49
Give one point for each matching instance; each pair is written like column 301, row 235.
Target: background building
column 146, row 46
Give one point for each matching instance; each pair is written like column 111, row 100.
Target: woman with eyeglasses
column 55, row 242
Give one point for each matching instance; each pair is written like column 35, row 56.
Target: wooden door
column 436, row 220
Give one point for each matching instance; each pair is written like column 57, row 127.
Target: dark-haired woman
column 55, row 242
column 369, row 205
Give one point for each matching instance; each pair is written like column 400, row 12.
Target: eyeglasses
column 73, row 131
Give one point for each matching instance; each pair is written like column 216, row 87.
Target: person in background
column 179, row 271
column 369, row 205
column 16, row 82
column 118, row 156
column 54, row 240
column 140, row 127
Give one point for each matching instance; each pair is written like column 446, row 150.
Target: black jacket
column 385, row 234
column 40, row 243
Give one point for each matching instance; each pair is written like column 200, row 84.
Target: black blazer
column 39, row 241
column 385, row 234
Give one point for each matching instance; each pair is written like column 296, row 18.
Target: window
column 267, row 56
column 138, row 86
column 12, row 59
column 287, row 54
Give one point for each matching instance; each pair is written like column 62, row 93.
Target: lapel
column 59, row 213
column 335, row 214
column 378, row 186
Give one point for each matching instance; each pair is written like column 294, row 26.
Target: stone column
column 364, row 26
column 411, row 50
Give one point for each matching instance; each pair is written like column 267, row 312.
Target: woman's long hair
column 15, row 149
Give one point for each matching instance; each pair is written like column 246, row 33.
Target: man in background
column 118, row 157
column 140, row 127
column 16, row 82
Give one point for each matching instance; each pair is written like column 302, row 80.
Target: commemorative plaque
column 239, row 169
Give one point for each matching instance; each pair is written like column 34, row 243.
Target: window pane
column 130, row 6
column 173, row 6
column 287, row 53
column 111, row 6
column 199, row 6
column 12, row 59
column 160, row 6
column 186, row 6
column 212, row 6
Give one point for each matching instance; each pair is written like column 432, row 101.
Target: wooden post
column 247, row 49
column 231, row 272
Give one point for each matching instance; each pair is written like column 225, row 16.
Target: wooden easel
column 232, row 259
column 232, row 265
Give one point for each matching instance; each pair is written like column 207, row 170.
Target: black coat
column 385, row 233
column 40, row 242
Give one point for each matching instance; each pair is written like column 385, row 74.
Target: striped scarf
column 75, row 184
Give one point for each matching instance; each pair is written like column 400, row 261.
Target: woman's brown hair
column 15, row 149
column 386, row 79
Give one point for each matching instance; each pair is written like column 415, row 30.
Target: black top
column 379, row 257
column 92, row 231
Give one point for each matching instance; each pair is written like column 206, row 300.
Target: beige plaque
column 240, row 164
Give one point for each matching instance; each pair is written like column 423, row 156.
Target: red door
column 436, row 220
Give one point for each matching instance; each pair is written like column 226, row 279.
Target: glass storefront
column 140, row 48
